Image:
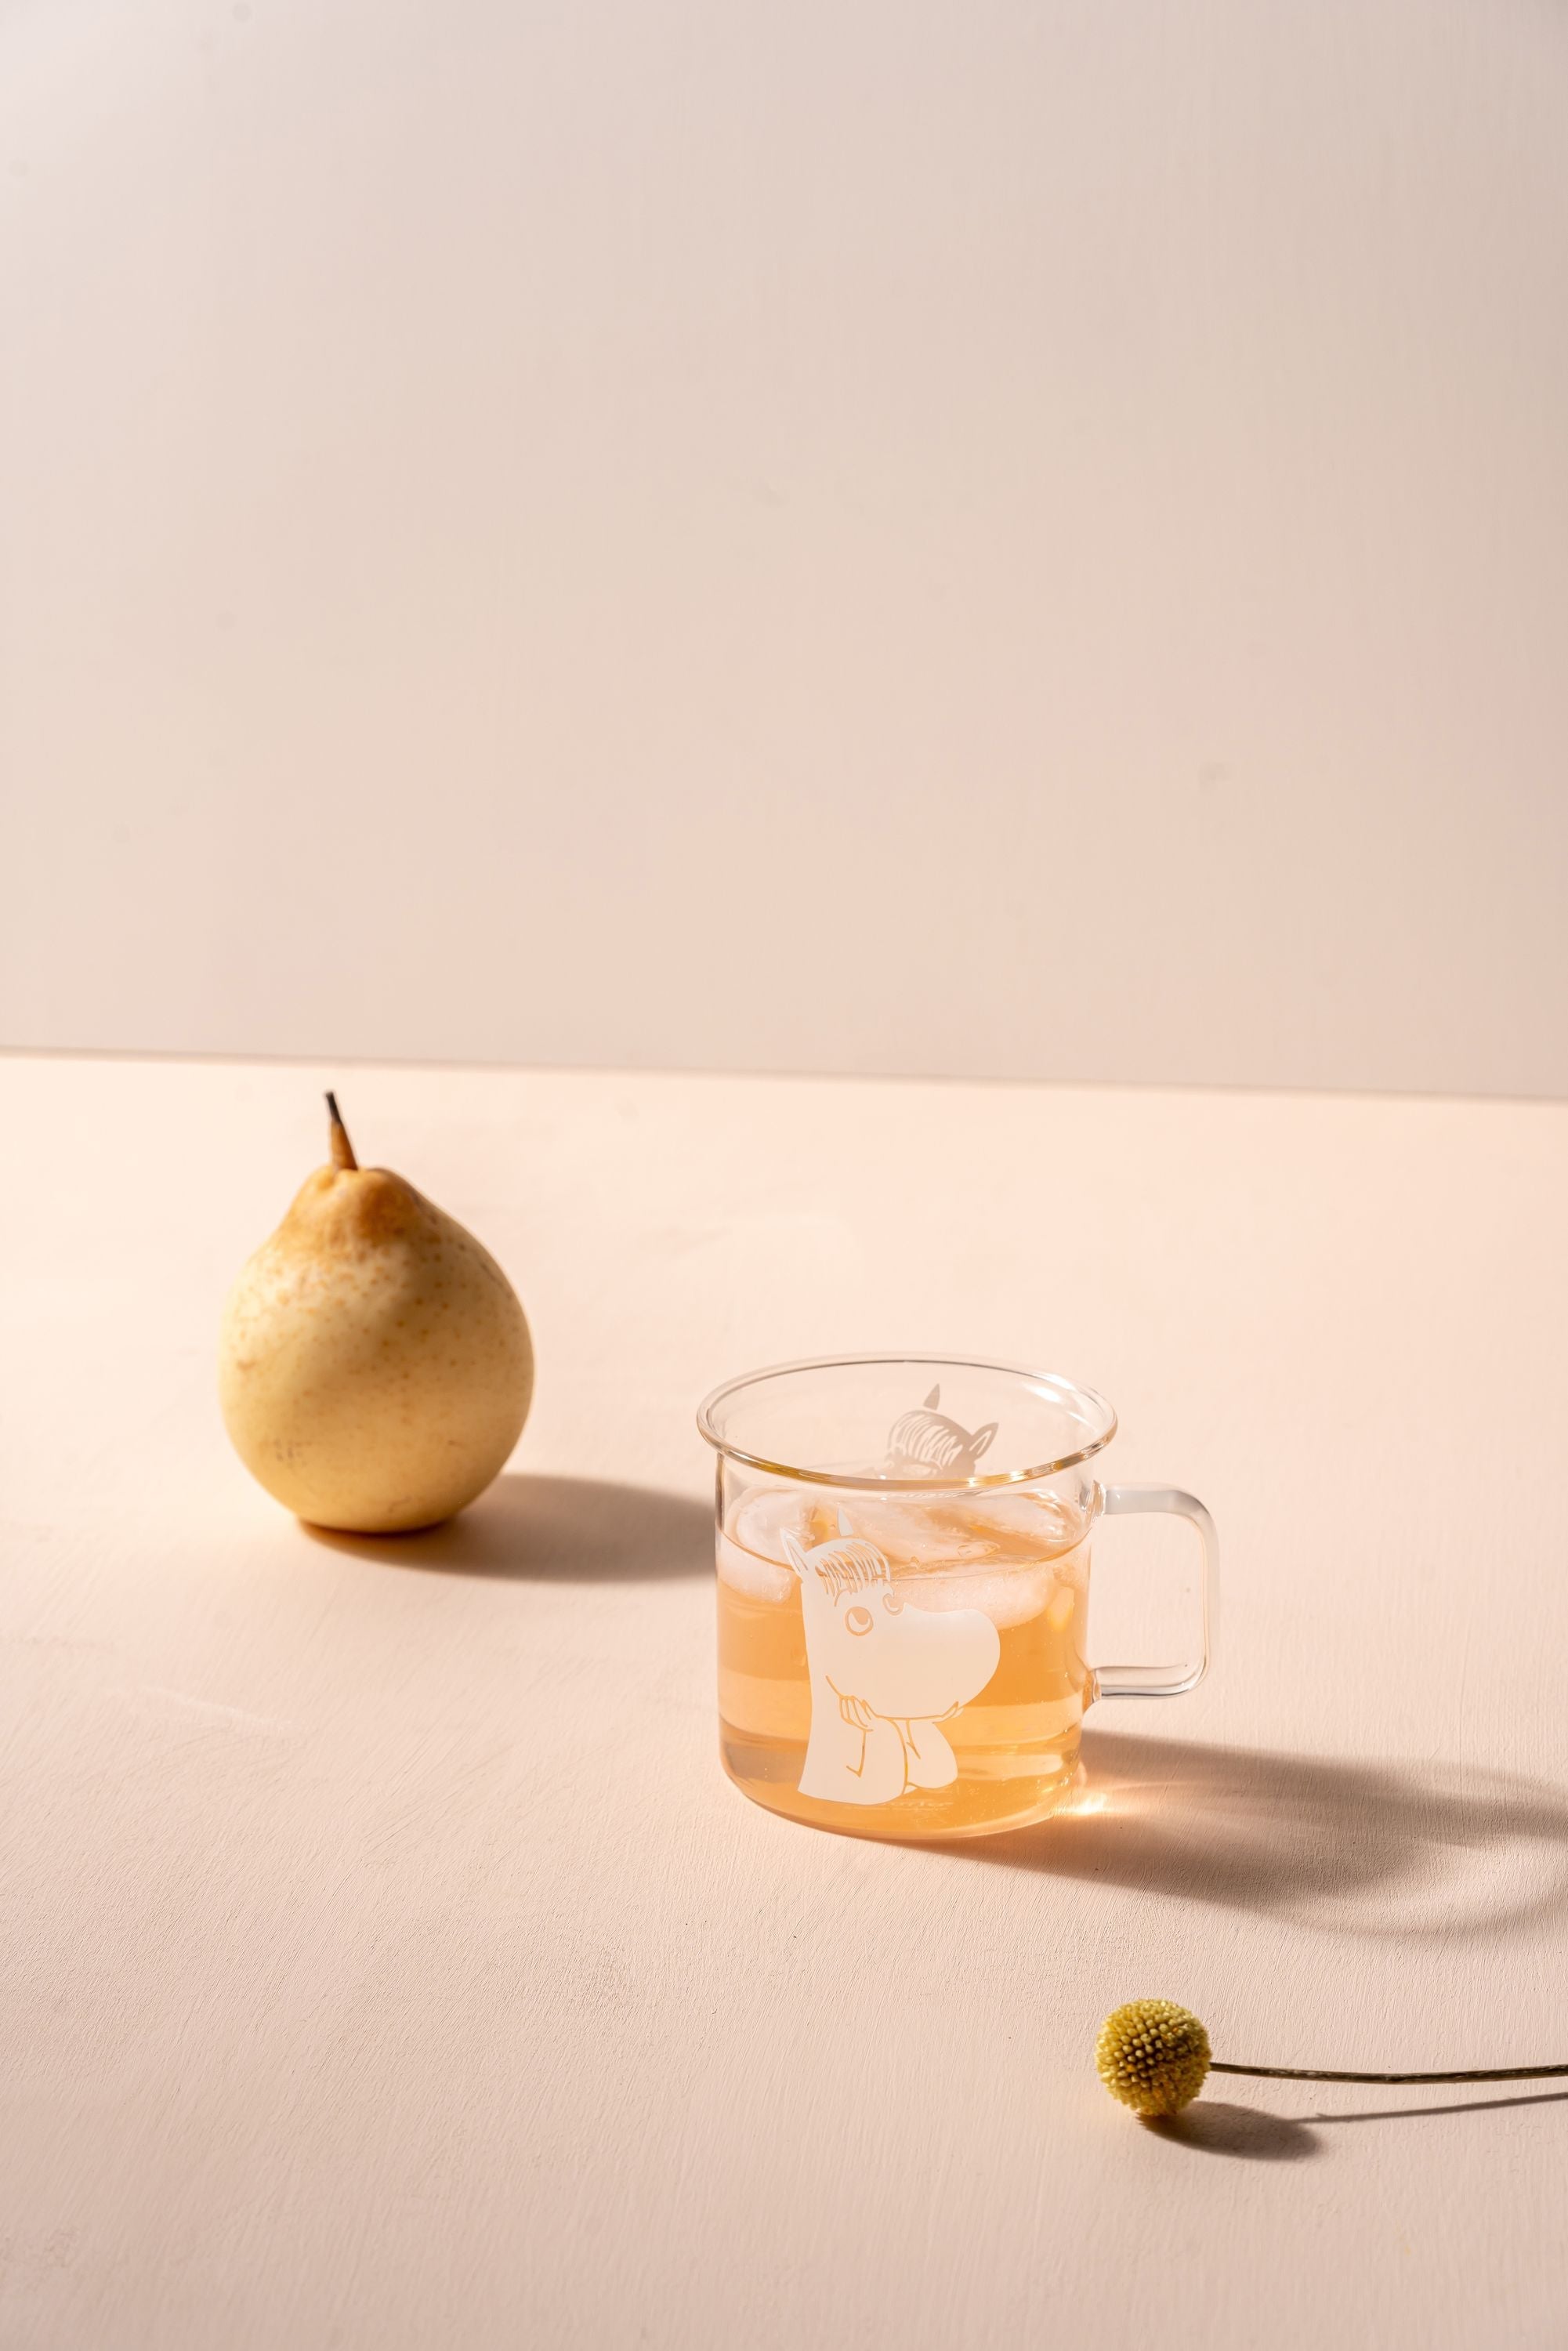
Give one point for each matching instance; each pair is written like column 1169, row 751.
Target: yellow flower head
column 1153, row 2055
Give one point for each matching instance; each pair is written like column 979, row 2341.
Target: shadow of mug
column 1364, row 1848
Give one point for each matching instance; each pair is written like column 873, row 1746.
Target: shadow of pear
column 536, row 1529
column 1364, row 1848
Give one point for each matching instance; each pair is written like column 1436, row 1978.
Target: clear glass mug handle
column 1163, row 1681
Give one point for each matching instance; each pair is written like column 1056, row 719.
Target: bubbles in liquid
column 1005, row 1555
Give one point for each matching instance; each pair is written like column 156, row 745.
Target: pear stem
column 338, row 1137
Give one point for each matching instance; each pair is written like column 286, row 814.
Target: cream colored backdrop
column 1001, row 538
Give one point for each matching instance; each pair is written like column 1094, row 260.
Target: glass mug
column 903, row 1590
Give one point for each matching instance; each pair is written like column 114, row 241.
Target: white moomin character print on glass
column 925, row 1444
column 885, row 1675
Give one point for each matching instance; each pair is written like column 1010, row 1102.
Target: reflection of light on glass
column 1095, row 1804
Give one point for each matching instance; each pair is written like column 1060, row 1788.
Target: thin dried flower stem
column 1316, row 2073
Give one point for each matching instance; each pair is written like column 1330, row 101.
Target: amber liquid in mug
column 1022, row 1560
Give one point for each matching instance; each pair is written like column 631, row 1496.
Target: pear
column 375, row 1368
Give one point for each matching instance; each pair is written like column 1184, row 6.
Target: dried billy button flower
column 1153, row 2055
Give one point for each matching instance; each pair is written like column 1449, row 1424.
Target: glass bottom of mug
column 1010, row 1792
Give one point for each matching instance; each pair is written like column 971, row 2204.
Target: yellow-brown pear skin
column 375, row 1368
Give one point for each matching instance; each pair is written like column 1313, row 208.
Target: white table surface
column 386, row 1961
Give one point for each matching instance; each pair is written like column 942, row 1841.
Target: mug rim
column 1058, row 1381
